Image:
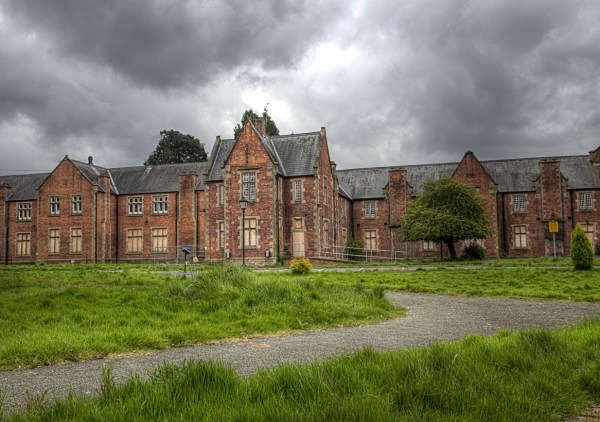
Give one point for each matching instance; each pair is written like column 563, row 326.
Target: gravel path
column 430, row 318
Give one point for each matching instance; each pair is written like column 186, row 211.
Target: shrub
column 354, row 249
column 582, row 252
column 300, row 265
column 473, row 251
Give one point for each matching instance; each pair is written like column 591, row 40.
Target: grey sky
column 394, row 82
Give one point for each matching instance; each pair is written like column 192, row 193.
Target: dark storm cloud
column 173, row 44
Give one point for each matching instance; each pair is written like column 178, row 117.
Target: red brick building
column 298, row 204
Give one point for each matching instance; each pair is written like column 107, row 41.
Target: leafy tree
column 175, row 147
column 582, row 252
column 447, row 211
column 250, row 115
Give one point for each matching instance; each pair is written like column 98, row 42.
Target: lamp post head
column 243, row 203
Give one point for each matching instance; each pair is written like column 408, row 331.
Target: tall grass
column 535, row 283
column 524, row 376
column 49, row 316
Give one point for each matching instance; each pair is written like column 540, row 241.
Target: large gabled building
column 298, row 204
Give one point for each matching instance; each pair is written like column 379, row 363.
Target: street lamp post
column 243, row 205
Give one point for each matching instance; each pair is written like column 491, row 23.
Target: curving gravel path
column 430, row 318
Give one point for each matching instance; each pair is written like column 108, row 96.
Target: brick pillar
column 5, row 191
column 186, row 223
column 398, row 194
column 551, row 198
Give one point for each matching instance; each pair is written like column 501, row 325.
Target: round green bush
column 582, row 252
column 300, row 265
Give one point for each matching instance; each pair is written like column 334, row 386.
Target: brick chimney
column 398, row 194
column 261, row 125
column 551, row 192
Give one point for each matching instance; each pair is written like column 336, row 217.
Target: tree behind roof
column 250, row 116
column 175, row 147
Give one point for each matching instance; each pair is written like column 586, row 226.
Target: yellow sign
column 553, row 226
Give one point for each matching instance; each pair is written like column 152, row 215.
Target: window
column 53, row 241
column 76, row 240
column 159, row 204
column 325, row 191
column 249, row 186
column 221, row 234
column 585, row 201
column 590, row 232
column 250, row 232
column 518, row 203
column 370, row 240
column 298, row 223
column 344, row 236
column 369, row 209
column 221, row 195
column 428, row 245
column 159, row 240
column 134, row 240
column 520, row 237
column 344, row 208
column 55, row 205
column 298, row 191
column 326, row 233
column 76, row 204
column 24, row 211
column 23, row 244
column 135, row 205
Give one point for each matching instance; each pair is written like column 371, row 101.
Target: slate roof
column 23, row 186
column 153, row 179
column 92, row 172
column 512, row 175
column 296, row 155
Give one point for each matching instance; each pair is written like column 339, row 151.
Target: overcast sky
column 394, row 82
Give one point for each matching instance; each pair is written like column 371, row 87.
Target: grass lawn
column 505, row 281
column 524, row 376
column 53, row 314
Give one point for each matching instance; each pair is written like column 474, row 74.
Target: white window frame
column 54, row 205
column 518, row 203
column 370, row 209
column 221, row 194
column 160, row 204
column 24, row 211
column 76, row 204
column 135, row 205
column 585, row 201
column 428, row 246
column 298, row 191
column 249, row 185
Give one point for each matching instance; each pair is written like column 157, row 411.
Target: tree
column 447, row 211
column 582, row 252
column 175, row 147
column 250, row 115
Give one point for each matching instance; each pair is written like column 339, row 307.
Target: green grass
column 52, row 314
column 525, row 376
column 529, row 282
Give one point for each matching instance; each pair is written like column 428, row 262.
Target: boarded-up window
column 520, row 237
column 159, row 240
column 23, row 244
column 428, row 245
column 54, row 241
column 250, row 232
column 135, row 239
column 326, row 233
column 371, row 240
column 221, row 235
column 76, row 240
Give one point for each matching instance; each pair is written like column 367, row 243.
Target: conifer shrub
column 473, row 251
column 300, row 265
column 582, row 252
